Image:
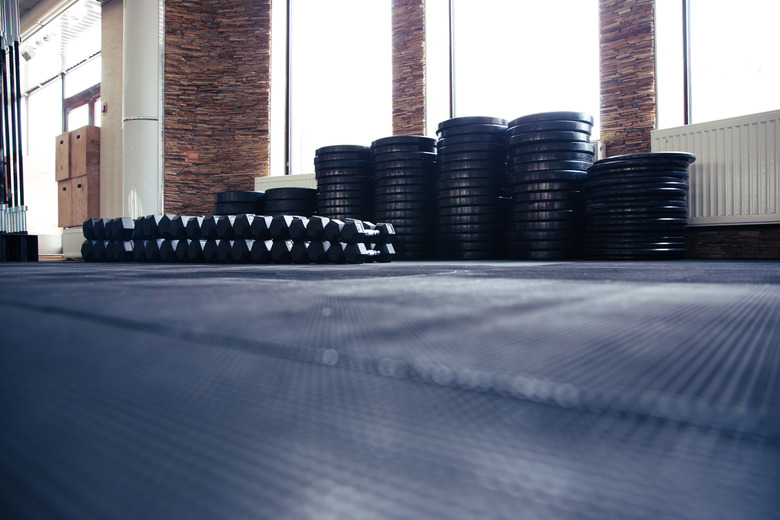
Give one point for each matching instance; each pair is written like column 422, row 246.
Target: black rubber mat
column 402, row 390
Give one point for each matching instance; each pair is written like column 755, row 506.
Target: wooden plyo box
column 64, row 206
column 85, row 151
column 85, row 198
column 62, row 157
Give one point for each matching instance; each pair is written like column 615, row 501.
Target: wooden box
column 62, row 157
column 85, row 198
column 64, row 205
column 85, row 151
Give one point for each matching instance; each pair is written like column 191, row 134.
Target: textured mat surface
column 404, row 390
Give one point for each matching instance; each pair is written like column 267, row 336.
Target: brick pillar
column 217, row 100
column 627, row 64
column 408, row 67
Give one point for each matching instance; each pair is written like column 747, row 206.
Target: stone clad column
column 408, row 67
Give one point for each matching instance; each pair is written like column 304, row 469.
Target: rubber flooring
column 630, row 390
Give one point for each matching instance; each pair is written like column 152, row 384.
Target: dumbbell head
column 297, row 230
column 332, row 231
column 260, row 251
column 99, row 228
column 149, row 226
column 88, row 229
column 242, row 226
column 318, row 251
column 139, row 250
column 164, row 226
column 386, row 252
column 195, row 250
column 120, row 229
column 357, row 253
column 210, row 251
column 182, row 250
column 336, row 252
column 168, row 250
column 239, row 250
column 298, row 252
column 88, row 250
column 208, row 227
column 315, row 228
column 99, row 250
column 280, row 226
column 119, row 251
column 152, row 249
column 354, row 231
column 386, row 233
column 260, row 228
column 175, row 228
column 224, row 251
column 225, row 226
column 192, row 227
column 281, row 251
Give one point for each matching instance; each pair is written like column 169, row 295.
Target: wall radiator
column 736, row 176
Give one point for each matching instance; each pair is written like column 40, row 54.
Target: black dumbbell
column 315, row 228
column 386, row 252
column 353, row 231
column 119, row 250
column 297, row 229
column 260, row 227
column 318, row 251
column 192, row 227
column 182, row 250
column 88, row 250
column 150, row 225
column 88, row 228
column 139, row 250
column 175, row 228
column 120, row 229
column 225, row 226
column 260, row 251
column 280, row 226
column 242, row 225
column 195, row 250
column 208, row 227
column 299, row 254
column 239, row 251
column 224, row 251
column 168, row 250
column 152, row 249
column 210, row 251
column 386, row 232
column 99, row 250
column 281, row 251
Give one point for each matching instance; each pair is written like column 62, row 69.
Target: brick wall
column 733, row 242
column 217, row 100
column 408, row 67
column 627, row 62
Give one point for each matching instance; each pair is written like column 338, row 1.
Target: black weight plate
column 275, row 194
column 328, row 173
column 382, row 167
column 490, row 250
column 493, row 157
column 494, row 138
column 468, row 192
column 421, row 157
column 338, row 165
column 497, row 175
column 661, row 211
column 473, row 146
column 290, row 205
column 543, row 137
column 553, row 116
column 548, row 165
column 365, row 199
column 404, row 184
column 531, row 186
column 393, row 215
column 544, row 255
column 342, row 148
column 523, row 158
column 470, row 121
column 548, row 225
column 556, row 205
column 546, row 235
column 469, row 183
column 570, row 244
column 671, row 192
column 238, row 196
column 490, row 201
column 638, row 175
column 236, row 208
column 645, row 159
column 602, row 225
column 546, row 176
column 497, row 166
column 359, row 180
column 404, row 140
column 402, row 192
column 469, row 218
column 562, row 214
column 643, row 204
column 471, row 130
column 469, row 255
column 342, row 157
column 479, row 228
column 493, row 236
column 634, row 185
column 468, row 210
column 400, row 177
column 539, row 196
column 396, row 206
column 345, row 186
column 403, row 148
column 552, row 147
column 556, row 125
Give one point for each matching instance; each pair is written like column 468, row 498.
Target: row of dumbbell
column 231, row 227
column 241, row 250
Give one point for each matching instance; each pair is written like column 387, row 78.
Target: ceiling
column 26, row 5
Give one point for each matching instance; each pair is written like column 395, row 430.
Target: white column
column 141, row 107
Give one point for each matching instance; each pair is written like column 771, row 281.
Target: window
column 513, row 58
column 340, row 78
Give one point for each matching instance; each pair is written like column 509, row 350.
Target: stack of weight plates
column 344, row 181
column 291, row 201
column 637, row 206
column 237, row 202
column 470, row 189
column 405, row 170
column 548, row 157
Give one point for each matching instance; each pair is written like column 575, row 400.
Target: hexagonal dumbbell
column 195, row 251
column 350, row 253
column 182, row 250
column 281, row 251
column 192, row 228
column 119, row 250
column 318, row 251
column 280, row 226
column 242, row 226
column 120, row 229
column 299, row 254
column 315, row 228
column 174, row 228
column 225, row 226
column 208, row 227
column 225, row 251
column 88, row 250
